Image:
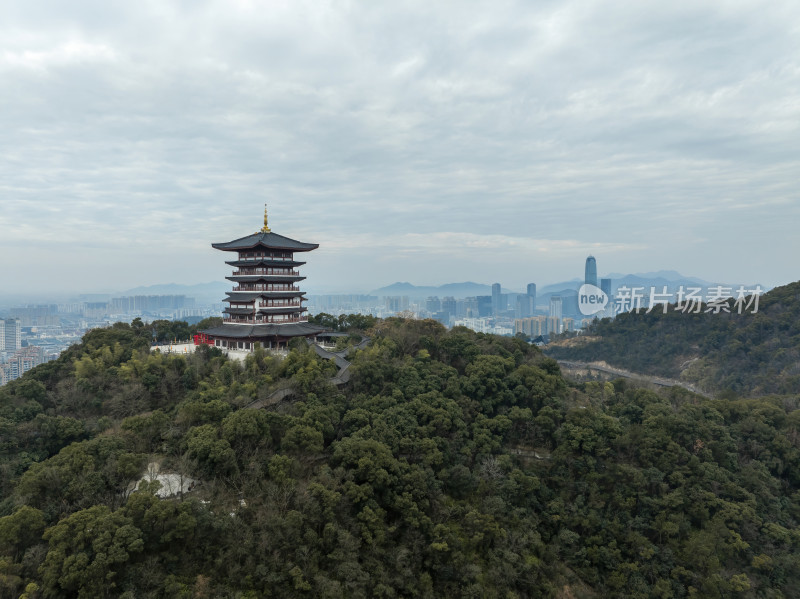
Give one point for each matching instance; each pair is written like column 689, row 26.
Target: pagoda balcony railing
column 266, row 306
column 266, row 288
column 265, row 257
column 268, row 320
column 266, row 271
column 278, row 304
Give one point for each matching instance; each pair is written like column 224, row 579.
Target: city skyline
column 416, row 142
column 172, row 289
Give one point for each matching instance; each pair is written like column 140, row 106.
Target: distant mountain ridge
column 670, row 279
column 669, row 275
column 213, row 291
column 457, row 290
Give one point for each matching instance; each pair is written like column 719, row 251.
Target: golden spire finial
column 265, row 228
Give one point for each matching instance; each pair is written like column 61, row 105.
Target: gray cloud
column 656, row 136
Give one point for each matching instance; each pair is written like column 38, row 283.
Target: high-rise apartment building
column 10, row 334
column 485, row 305
column 21, row 362
column 522, row 308
column 471, row 307
column 433, row 304
column 150, row 303
column 555, row 307
column 554, row 325
column 531, row 327
column 525, row 304
column 37, row 316
column 449, row 305
column 396, row 303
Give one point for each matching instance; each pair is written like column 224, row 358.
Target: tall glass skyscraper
column 496, row 299
column 591, row 271
column 526, row 302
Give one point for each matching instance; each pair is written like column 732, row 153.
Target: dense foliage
column 344, row 322
column 747, row 354
column 453, row 463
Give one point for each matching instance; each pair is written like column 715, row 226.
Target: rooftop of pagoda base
column 268, row 335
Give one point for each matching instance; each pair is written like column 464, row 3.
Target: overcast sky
column 414, row 141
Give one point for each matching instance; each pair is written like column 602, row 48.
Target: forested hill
column 748, row 354
column 452, row 464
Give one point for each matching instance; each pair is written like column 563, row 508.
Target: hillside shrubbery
column 453, row 463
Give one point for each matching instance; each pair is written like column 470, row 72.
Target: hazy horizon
column 9, row 300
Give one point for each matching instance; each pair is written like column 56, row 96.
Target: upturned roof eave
column 250, row 296
column 265, row 278
column 268, row 240
column 264, row 261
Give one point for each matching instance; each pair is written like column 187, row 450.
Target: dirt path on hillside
column 586, row 368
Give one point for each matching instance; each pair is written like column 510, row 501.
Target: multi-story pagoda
column 266, row 305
